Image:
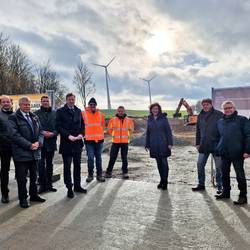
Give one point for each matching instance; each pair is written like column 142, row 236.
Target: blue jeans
column 94, row 152
column 202, row 160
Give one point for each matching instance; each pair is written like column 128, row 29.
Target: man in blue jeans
column 94, row 137
column 206, row 132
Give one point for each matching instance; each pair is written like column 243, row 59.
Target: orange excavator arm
column 191, row 119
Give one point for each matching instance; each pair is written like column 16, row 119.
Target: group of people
column 31, row 140
column 225, row 135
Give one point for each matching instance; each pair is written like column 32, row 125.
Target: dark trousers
column 4, row 173
column 67, row 160
column 45, row 168
column 22, row 169
column 240, row 175
column 162, row 164
column 113, row 156
column 94, row 153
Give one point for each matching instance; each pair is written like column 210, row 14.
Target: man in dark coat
column 233, row 146
column 70, row 126
column 27, row 139
column 47, row 118
column 205, row 143
column 159, row 142
column 5, row 146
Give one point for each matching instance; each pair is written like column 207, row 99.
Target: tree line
column 18, row 75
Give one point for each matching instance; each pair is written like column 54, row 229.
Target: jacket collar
column 46, row 109
column 19, row 113
column 230, row 117
column 121, row 117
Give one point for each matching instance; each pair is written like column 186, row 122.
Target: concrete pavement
column 127, row 214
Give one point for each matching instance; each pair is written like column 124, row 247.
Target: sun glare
column 160, row 42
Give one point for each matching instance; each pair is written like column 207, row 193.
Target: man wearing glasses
column 233, row 146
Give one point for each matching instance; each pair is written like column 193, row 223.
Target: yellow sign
column 34, row 98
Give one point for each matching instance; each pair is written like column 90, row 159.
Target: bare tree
column 16, row 75
column 82, row 80
column 197, row 107
column 48, row 79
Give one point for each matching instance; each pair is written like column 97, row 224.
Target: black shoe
column 100, row 178
column 80, row 190
column 222, row 196
column 108, row 175
column 24, row 204
column 241, row 201
column 5, row 199
column 41, row 190
column 159, row 186
column 198, row 188
column 125, row 176
column 37, row 199
column 70, row 193
column 52, row 189
column 164, row 186
column 89, row 178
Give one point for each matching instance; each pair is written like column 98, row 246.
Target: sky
column 189, row 45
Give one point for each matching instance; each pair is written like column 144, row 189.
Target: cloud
column 209, row 44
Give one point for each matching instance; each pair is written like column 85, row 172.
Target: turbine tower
column 107, row 78
column 149, row 87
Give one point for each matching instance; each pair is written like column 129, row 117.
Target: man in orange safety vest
column 120, row 127
column 94, row 137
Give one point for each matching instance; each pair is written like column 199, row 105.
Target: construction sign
column 239, row 95
column 34, row 98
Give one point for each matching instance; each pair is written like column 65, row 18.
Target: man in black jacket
column 233, row 146
column 47, row 118
column 205, row 143
column 5, row 146
column 70, row 126
column 27, row 139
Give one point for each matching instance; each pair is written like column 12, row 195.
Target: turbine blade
column 143, row 79
column 98, row 65
column 152, row 78
column 110, row 61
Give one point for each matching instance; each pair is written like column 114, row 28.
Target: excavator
column 190, row 119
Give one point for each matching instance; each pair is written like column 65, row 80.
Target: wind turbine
column 149, row 87
column 107, row 78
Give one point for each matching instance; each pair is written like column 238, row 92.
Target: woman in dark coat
column 159, row 141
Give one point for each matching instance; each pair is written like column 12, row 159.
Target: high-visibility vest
column 121, row 130
column 94, row 125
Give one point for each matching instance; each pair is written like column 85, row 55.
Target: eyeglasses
column 228, row 108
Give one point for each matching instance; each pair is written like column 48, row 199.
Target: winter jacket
column 47, row 118
column 206, row 130
column 5, row 143
column 23, row 136
column 69, row 122
column 233, row 136
column 159, row 136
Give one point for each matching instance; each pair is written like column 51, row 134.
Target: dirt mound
column 179, row 140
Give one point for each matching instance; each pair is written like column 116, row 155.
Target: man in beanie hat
column 94, row 137
column 206, row 131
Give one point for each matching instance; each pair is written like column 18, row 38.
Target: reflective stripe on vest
column 122, row 138
column 90, row 134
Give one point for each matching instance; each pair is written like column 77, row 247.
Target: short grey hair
column 24, row 99
column 226, row 103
